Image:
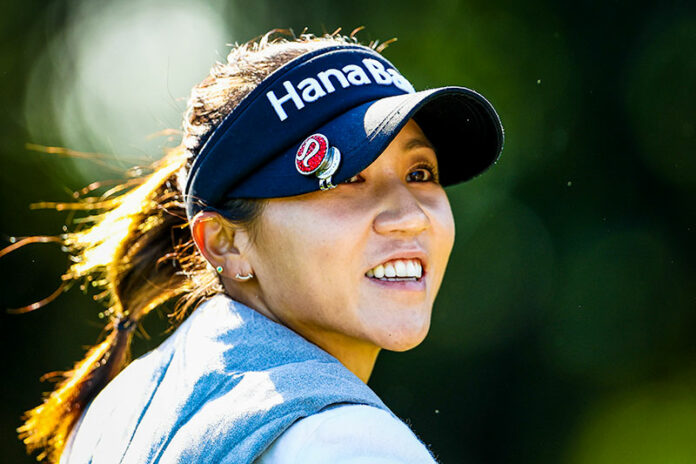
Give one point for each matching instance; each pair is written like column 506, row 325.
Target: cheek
column 441, row 241
column 285, row 257
column 302, row 258
column 448, row 228
column 442, row 221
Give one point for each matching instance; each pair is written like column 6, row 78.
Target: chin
column 405, row 337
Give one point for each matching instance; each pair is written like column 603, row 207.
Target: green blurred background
column 564, row 331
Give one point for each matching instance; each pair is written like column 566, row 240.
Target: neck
column 360, row 359
column 356, row 355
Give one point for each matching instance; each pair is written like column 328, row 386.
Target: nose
column 400, row 213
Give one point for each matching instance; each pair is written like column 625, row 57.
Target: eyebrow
column 418, row 142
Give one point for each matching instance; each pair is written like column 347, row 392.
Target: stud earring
column 219, row 269
column 246, row 277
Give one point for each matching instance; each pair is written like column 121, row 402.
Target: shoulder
column 347, row 434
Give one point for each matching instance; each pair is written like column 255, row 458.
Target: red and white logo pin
column 316, row 157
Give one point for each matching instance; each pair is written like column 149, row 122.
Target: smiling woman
column 323, row 248
column 304, row 218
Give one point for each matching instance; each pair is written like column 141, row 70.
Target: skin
column 310, row 254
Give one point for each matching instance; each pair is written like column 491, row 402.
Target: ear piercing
column 219, row 269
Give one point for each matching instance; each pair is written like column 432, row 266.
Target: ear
column 222, row 243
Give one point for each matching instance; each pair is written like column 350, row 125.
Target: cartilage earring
column 219, row 269
column 246, row 277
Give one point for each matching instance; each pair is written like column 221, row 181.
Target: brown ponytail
column 128, row 254
column 138, row 251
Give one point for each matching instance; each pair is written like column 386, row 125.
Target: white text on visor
column 312, row 89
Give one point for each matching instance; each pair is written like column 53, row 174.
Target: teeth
column 410, row 268
column 400, row 268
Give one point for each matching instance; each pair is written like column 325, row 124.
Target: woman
column 305, row 208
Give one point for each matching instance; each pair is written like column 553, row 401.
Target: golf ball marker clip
column 315, row 156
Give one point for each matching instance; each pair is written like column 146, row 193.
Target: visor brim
column 462, row 125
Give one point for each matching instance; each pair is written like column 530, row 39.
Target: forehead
column 410, row 141
column 411, row 137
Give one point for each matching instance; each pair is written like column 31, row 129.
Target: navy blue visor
column 323, row 118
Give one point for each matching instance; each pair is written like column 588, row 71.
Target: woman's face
column 316, row 256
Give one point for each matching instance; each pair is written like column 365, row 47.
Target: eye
column 353, row 180
column 423, row 173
